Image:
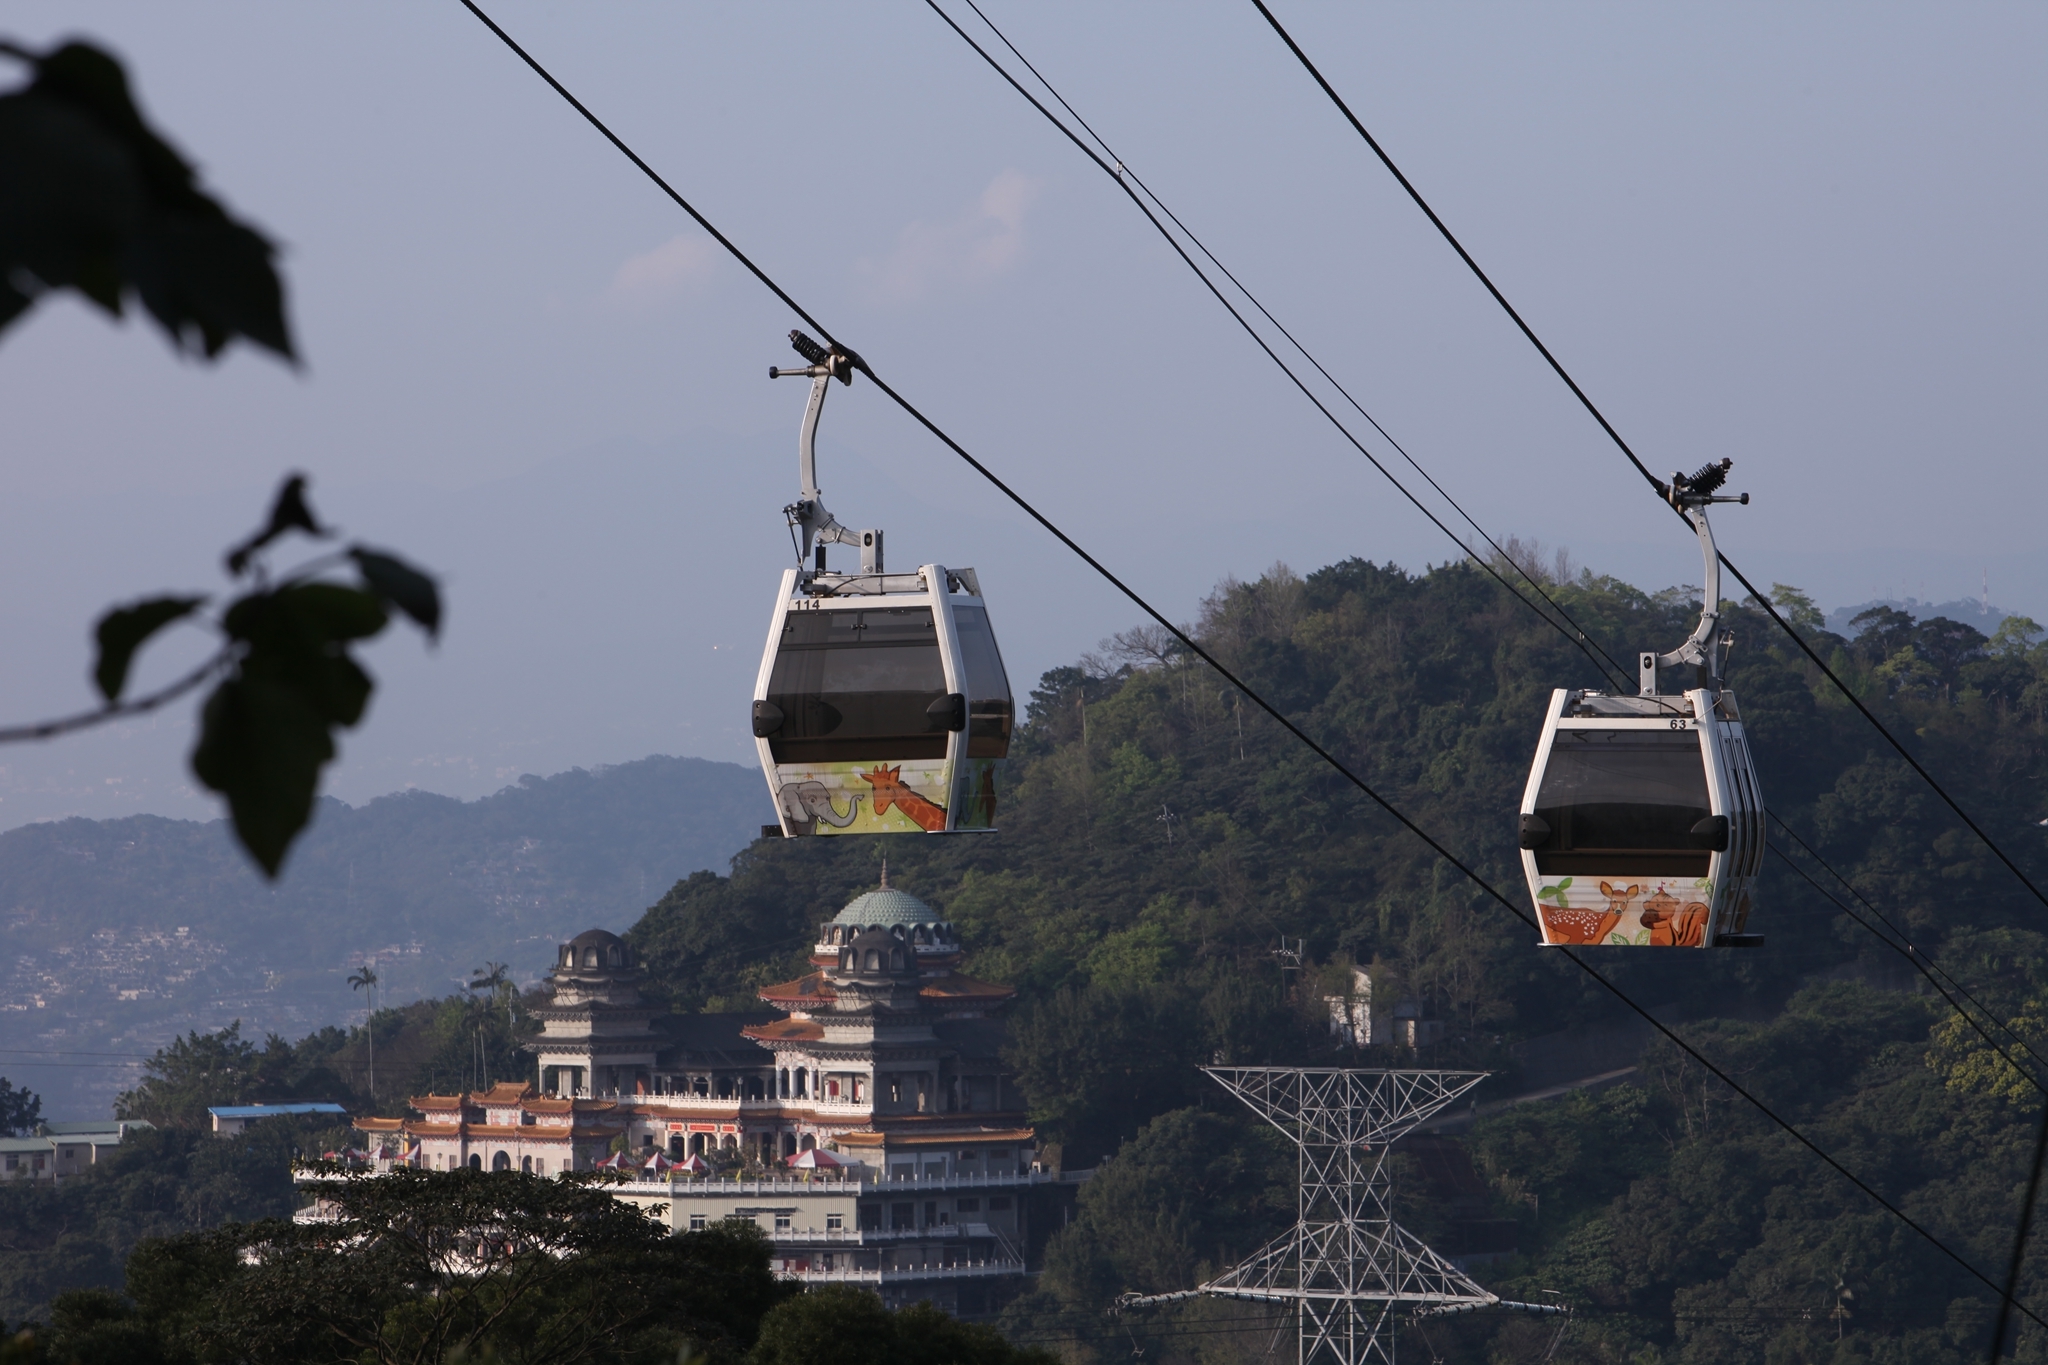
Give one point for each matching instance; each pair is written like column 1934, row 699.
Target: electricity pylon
column 1345, row 1267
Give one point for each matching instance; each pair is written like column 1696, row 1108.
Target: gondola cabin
column 1642, row 824
column 882, row 705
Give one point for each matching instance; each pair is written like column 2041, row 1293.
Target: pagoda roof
column 954, row 986
column 786, row 1030
column 815, row 988
column 811, row 988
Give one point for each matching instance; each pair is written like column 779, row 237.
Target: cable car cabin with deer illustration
column 881, row 706
column 1642, row 824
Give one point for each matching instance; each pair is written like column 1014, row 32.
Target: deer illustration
column 891, row 790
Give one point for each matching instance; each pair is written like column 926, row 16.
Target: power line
column 1198, row 651
column 1122, row 172
column 1125, row 176
column 1625, row 449
column 1968, row 1018
column 1117, row 173
column 2041, row 1144
column 1904, row 946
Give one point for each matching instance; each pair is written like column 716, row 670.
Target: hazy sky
column 1807, row 237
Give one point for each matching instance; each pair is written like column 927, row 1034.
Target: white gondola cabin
column 881, row 706
column 1642, row 824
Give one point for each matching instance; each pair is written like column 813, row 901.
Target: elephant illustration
column 805, row 804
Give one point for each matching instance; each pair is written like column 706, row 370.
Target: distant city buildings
column 871, row 1130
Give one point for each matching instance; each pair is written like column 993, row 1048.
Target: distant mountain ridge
column 117, row 934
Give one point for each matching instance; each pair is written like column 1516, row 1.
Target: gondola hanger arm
column 1691, row 496
column 808, row 514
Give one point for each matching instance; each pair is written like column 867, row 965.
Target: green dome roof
column 886, row 906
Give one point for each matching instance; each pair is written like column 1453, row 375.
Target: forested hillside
column 117, row 935
column 1160, row 839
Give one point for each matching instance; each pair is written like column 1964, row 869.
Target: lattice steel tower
column 1345, row 1266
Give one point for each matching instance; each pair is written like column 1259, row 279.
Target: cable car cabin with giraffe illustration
column 1642, row 824
column 881, row 706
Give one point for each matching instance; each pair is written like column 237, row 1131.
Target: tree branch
column 85, row 720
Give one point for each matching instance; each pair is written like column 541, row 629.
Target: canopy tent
column 814, row 1159
column 693, row 1165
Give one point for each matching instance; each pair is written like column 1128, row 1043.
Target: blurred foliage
column 423, row 1267
column 94, row 200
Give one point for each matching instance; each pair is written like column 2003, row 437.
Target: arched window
column 846, row 960
column 874, row 961
column 590, row 957
column 502, row 1162
column 919, row 935
column 753, row 1087
column 801, row 1076
column 613, row 954
column 895, row 959
column 782, row 1084
column 568, row 956
column 526, row 1165
column 476, row 1161
column 809, row 1142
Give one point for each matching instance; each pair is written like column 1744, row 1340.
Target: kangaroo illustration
column 890, row 790
column 806, row 804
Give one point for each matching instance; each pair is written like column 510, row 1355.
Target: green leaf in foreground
column 262, row 745
column 123, row 630
column 266, row 732
column 92, row 199
column 401, row 585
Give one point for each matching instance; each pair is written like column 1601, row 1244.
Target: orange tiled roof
column 504, row 1092
column 811, row 988
column 956, row 987
column 784, row 1030
column 374, row 1125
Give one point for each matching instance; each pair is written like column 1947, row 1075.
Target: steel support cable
column 1625, row 449
column 2023, row 1072
column 1900, row 943
column 1113, row 173
column 1122, row 170
column 1258, row 700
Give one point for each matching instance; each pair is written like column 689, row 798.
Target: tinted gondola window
column 1623, row 802
column 853, row 686
column 988, row 687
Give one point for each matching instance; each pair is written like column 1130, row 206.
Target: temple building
column 878, row 1073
